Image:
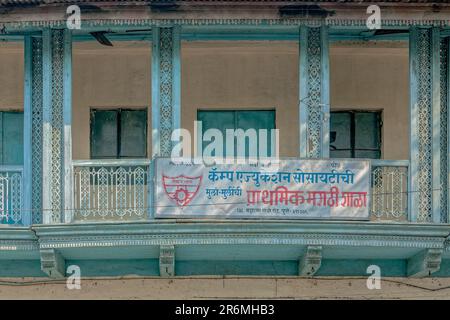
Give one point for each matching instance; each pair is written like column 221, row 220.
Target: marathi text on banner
column 289, row 189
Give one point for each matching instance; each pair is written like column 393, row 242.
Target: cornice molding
column 264, row 233
column 224, row 21
column 236, row 239
column 304, row 233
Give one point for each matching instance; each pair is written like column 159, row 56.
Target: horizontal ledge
column 244, row 228
column 11, row 168
column 390, row 163
column 111, row 162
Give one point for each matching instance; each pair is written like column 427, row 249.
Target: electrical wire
column 125, row 278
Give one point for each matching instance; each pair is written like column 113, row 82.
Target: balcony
column 118, row 190
column 390, row 190
column 11, row 195
column 114, row 190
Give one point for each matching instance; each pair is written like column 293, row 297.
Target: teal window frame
column 119, row 116
column 353, row 134
column 235, row 113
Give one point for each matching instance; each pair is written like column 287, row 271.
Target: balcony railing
column 119, row 190
column 390, row 190
column 111, row 190
column 11, row 195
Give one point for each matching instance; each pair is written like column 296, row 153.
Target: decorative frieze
column 56, row 119
column 425, row 124
column 166, row 75
column 314, row 92
column 33, row 112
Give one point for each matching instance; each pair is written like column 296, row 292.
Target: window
column 355, row 134
column 11, row 138
column 119, row 133
column 238, row 119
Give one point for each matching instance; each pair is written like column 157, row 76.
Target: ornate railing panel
column 118, row 190
column 111, row 190
column 11, row 195
column 390, row 190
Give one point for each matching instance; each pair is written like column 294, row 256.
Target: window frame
column 353, row 113
column 234, row 110
column 17, row 111
column 119, row 135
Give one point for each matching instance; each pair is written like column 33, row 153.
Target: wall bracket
column 310, row 263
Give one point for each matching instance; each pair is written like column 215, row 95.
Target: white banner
column 289, row 189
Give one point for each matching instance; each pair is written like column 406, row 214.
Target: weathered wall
column 105, row 77
column 221, row 75
column 11, row 76
column 375, row 78
column 228, row 288
column 245, row 75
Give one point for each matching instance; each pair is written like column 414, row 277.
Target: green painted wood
column 104, row 134
column 12, row 138
column 238, row 119
column 325, row 91
column 133, row 134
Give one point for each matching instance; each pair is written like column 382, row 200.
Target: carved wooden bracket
column 424, row 263
column 310, row 263
column 167, row 260
column 53, row 263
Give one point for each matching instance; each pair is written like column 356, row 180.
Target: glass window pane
column 367, row 130
column 133, row 133
column 104, row 134
column 340, row 129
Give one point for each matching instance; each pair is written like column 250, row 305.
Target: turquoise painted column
column 445, row 103
column 166, row 88
column 56, row 135
column 166, row 92
column 314, row 115
column 425, row 139
column 32, row 202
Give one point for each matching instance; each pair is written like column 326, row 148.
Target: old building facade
column 84, row 113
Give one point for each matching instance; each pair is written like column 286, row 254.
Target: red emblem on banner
column 181, row 189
